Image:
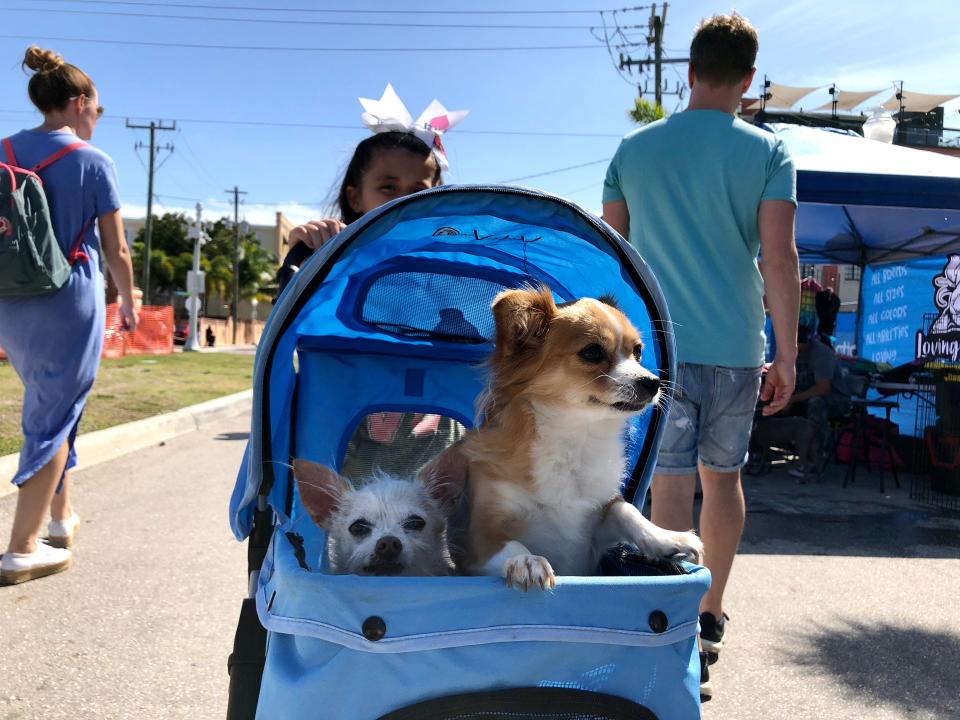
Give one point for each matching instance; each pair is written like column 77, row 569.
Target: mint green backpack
column 31, row 261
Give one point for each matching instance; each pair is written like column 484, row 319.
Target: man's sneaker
column 60, row 534
column 711, row 635
column 45, row 560
column 706, row 688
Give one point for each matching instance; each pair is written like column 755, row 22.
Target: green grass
column 136, row 387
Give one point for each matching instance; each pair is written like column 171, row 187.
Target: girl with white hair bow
column 402, row 157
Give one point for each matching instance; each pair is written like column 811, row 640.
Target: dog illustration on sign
column 948, row 297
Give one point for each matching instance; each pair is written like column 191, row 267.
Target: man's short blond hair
column 724, row 49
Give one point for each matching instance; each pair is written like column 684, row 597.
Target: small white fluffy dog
column 545, row 467
column 385, row 526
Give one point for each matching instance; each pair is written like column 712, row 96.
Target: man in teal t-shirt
column 700, row 194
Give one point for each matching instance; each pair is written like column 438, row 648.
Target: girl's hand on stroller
column 315, row 233
column 778, row 385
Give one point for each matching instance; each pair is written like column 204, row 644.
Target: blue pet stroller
column 393, row 316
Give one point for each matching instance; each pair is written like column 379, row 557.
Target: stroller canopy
column 397, row 308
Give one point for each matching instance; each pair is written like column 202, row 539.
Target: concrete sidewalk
column 104, row 445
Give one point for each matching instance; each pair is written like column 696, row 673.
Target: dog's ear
column 522, row 317
column 445, row 477
column 321, row 490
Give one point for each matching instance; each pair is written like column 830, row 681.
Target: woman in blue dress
column 54, row 340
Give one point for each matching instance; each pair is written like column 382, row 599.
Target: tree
column 257, row 267
column 171, row 257
column 644, row 111
column 168, row 242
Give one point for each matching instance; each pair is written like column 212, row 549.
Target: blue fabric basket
column 394, row 315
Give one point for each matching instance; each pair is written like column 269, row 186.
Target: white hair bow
column 389, row 114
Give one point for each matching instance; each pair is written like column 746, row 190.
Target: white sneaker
column 61, row 534
column 45, row 560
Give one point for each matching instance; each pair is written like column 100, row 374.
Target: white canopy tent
column 785, row 96
column 848, row 100
column 916, row 102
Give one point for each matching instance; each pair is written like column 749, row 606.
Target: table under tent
column 894, row 212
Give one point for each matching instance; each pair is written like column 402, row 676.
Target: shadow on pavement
column 891, row 534
column 824, row 518
column 910, row 668
column 232, row 436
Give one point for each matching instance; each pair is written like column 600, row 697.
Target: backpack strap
column 8, row 151
column 76, row 253
column 48, row 161
column 13, row 176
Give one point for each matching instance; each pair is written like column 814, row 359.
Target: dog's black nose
column 388, row 547
column 650, row 384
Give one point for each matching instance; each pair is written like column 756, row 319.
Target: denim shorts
column 710, row 419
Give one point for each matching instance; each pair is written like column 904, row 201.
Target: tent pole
column 858, row 319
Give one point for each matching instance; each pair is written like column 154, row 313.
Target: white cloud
column 214, row 209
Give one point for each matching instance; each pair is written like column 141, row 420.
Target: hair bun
column 42, row 61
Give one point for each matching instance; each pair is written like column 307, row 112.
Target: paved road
column 142, row 625
column 844, row 602
column 845, row 607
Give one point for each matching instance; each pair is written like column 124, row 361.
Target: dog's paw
column 686, row 546
column 529, row 571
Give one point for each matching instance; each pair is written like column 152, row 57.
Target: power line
column 226, row 202
column 338, row 11
column 299, row 21
column 273, row 48
column 198, row 165
column 657, row 24
column 609, row 34
column 554, row 172
column 331, row 126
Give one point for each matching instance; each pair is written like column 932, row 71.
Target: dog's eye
column 414, row 522
column 638, row 351
column 592, row 353
column 359, row 528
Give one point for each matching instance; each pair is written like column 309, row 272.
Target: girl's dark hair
column 362, row 157
column 54, row 81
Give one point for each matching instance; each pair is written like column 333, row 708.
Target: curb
column 110, row 443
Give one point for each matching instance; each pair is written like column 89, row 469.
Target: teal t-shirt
column 693, row 183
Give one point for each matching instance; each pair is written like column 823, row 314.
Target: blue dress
column 54, row 341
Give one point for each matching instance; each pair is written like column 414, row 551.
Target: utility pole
column 234, row 310
column 655, row 39
column 656, row 25
column 148, row 226
column 195, row 282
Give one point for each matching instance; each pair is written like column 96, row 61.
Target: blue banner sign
column 895, row 299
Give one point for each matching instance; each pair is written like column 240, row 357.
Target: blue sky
column 519, row 99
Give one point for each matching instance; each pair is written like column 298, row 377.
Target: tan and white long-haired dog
column 545, row 466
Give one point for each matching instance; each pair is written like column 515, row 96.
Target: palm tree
column 644, row 111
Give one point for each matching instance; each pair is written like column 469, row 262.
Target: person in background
column 54, row 340
column 828, row 308
column 821, row 395
column 699, row 194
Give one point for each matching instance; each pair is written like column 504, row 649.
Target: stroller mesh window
column 435, row 306
column 397, row 443
column 526, row 704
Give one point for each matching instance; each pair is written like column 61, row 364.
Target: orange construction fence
column 153, row 336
